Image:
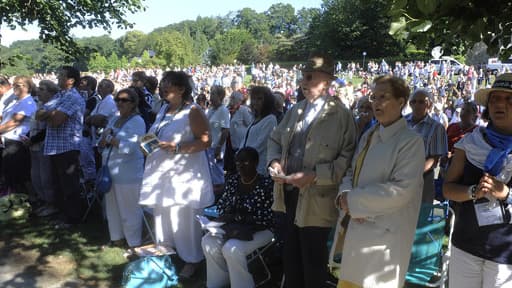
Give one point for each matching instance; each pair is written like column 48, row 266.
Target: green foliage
column 174, row 48
column 346, row 28
column 226, row 47
column 453, row 23
column 56, row 18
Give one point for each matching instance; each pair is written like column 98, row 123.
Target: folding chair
column 258, row 254
column 212, row 212
column 429, row 259
column 90, row 195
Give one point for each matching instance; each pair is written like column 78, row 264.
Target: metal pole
column 364, row 55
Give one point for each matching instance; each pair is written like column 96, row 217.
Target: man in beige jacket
column 309, row 151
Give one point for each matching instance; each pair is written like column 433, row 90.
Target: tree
column 282, row 19
column 133, row 43
column 470, row 21
column 346, row 28
column 256, row 23
column 102, row 44
column 304, row 18
column 56, row 18
column 174, row 48
column 98, row 63
column 226, row 47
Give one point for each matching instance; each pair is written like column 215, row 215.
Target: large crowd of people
column 284, row 157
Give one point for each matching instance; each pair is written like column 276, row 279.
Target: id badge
column 488, row 215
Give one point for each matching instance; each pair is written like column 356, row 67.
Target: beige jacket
column 331, row 141
column 376, row 252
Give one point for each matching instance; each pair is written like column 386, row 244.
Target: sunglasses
column 18, row 85
column 122, row 100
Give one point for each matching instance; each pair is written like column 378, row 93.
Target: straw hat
column 319, row 62
column 503, row 83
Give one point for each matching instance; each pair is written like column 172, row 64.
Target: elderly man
column 313, row 147
column 64, row 116
column 101, row 115
column 434, row 138
column 241, row 118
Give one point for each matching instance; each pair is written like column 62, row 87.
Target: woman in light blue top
column 126, row 164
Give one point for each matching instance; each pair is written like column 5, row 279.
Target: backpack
column 150, row 272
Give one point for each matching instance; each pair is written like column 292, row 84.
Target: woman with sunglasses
column 245, row 207
column 14, row 128
column 125, row 161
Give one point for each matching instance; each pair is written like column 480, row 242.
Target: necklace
column 248, row 182
column 177, row 109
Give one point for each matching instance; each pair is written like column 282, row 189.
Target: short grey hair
column 424, row 92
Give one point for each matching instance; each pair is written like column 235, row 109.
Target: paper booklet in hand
column 211, row 226
column 149, row 144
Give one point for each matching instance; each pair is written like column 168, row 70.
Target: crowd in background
column 219, row 129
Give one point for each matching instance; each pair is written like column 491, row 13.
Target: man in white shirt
column 101, row 115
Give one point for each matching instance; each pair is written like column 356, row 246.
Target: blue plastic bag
column 150, row 272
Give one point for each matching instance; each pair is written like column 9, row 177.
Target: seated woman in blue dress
column 245, row 208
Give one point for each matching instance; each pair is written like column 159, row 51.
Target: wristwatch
column 472, row 192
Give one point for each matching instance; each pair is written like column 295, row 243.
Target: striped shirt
column 433, row 133
column 67, row 136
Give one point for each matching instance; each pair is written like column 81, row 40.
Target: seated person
column 245, row 208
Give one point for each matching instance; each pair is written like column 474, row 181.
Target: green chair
column 428, row 265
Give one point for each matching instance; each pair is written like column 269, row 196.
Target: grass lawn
column 34, row 254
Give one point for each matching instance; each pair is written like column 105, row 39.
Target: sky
column 160, row 13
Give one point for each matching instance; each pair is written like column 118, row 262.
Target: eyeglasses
column 380, row 98
column 122, row 100
column 18, row 85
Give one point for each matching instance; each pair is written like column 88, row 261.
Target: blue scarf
column 502, row 145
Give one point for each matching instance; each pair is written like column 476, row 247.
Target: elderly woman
column 246, row 203
column 218, row 118
column 312, row 145
column 176, row 181
column 14, row 129
column 479, row 180
column 41, row 168
column 382, row 194
column 125, row 161
column 256, row 136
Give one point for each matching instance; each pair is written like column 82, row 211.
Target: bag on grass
column 150, row 272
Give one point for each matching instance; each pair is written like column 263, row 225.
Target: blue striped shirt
column 67, row 136
column 433, row 134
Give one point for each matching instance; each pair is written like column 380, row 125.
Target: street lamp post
column 364, row 55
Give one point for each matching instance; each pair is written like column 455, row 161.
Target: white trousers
column 176, row 226
column 469, row 271
column 226, row 261
column 124, row 215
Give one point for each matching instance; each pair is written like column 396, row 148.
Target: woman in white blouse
column 263, row 106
